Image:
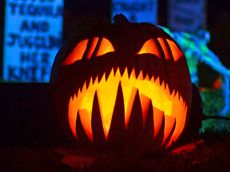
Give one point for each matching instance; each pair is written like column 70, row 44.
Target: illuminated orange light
column 77, row 53
column 169, row 123
column 172, row 105
column 158, row 118
column 105, row 47
column 150, row 47
column 79, row 50
column 164, row 47
column 177, row 54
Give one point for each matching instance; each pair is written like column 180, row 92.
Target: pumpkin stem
column 120, row 19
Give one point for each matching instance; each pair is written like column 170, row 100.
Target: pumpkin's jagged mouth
column 168, row 107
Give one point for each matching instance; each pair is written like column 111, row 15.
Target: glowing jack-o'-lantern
column 124, row 84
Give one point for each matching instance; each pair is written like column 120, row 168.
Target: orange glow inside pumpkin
column 164, row 47
column 77, row 52
column 150, row 47
column 169, row 109
column 166, row 106
column 105, row 47
column 176, row 53
column 81, row 48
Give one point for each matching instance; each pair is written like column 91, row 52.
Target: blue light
column 196, row 51
column 33, row 35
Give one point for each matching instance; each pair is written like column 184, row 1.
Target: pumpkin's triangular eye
column 88, row 48
column 105, row 47
column 170, row 49
column 176, row 52
column 77, row 52
column 149, row 47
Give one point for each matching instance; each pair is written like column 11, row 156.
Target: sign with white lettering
column 136, row 10
column 187, row 15
column 32, row 37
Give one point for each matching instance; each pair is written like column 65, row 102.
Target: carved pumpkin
column 123, row 84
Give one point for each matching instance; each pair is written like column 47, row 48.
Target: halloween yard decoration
column 123, row 85
column 196, row 51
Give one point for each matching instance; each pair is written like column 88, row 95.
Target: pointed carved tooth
column 111, row 75
column 117, row 127
column 149, row 126
column 157, row 81
column 170, row 123
column 84, row 87
column 147, row 77
column 173, row 93
column 81, row 134
column 74, row 96
column 177, row 96
column 140, row 76
column 86, row 122
column 138, row 71
column 101, row 77
column 129, row 94
column 116, row 69
column 181, row 99
column 107, row 97
column 125, row 74
column 167, row 89
column 158, row 117
column 145, row 103
column 159, row 123
column 77, row 93
column 163, row 85
column 97, row 127
column 91, row 82
column 118, row 74
column 95, row 80
column 135, row 126
column 152, row 79
column 133, row 73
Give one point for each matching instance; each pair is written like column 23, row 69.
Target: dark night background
column 218, row 19
column 27, row 117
